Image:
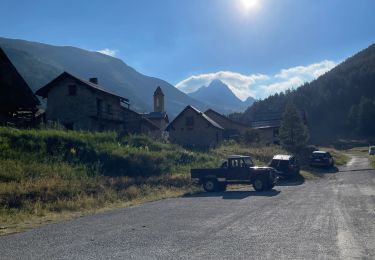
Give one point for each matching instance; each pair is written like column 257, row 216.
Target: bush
column 251, row 136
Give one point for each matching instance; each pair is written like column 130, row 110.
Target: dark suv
column 286, row 165
column 321, row 158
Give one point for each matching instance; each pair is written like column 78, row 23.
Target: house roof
column 199, row 113
column 15, row 93
column 142, row 118
column 150, row 123
column 157, row 115
column 266, row 124
column 43, row 92
column 225, row 117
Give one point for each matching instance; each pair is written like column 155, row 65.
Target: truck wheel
column 259, row 185
column 210, row 185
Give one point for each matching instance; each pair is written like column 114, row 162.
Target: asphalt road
column 331, row 218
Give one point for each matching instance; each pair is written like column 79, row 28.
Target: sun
column 250, row 4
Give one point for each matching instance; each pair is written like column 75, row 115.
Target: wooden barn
column 18, row 104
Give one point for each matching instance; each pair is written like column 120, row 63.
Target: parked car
column 286, row 165
column 371, row 150
column 237, row 169
column 321, row 158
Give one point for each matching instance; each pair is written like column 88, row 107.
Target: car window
column 284, row 163
column 248, row 162
column 274, row 163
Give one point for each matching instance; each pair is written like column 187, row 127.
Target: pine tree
column 366, row 115
column 293, row 133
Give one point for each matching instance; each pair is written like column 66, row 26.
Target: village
column 187, row 129
column 80, row 104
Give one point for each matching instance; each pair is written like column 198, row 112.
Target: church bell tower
column 158, row 100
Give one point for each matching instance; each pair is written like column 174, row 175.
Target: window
column 189, row 121
column 109, row 109
column 99, row 104
column 72, row 90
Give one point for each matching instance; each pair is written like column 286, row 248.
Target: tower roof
column 158, row 92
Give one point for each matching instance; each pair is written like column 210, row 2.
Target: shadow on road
column 323, row 170
column 234, row 195
column 298, row 180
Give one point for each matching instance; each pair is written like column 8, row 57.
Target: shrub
column 251, row 136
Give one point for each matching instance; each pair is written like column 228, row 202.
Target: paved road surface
column 331, row 218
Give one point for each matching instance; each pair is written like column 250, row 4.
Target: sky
column 257, row 47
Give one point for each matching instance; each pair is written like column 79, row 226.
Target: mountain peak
column 217, row 92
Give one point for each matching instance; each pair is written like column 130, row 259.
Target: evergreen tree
column 293, row 133
column 353, row 120
column 366, row 115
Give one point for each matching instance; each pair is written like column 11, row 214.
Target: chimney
column 94, row 80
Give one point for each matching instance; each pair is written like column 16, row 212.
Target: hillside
column 340, row 103
column 39, row 63
column 218, row 92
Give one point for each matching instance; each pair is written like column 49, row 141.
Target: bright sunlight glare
column 250, row 4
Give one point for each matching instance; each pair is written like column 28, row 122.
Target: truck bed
column 214, row 172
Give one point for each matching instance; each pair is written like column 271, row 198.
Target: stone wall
column 80, row 112
column 199, row 134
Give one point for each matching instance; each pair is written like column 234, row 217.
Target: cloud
column 109, row 52
column 240, row 84
column 259, row 85
column 314, row 70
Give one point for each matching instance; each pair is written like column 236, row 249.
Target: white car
column 371, row 150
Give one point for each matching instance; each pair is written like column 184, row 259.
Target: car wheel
column 210, row 185
column 259, row 184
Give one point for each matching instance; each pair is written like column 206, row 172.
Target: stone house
column 79, row 104
column 232, row 129
column 268, row 131
column 18, row 104
column 193, row 129
column 136, row 123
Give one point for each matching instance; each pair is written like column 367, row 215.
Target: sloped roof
column 142, row 118
column 266, row 124
column 225, row 117
column 157, row 115
column 150, row 123
column 15, row 93
column 43, row 92
column 201, row 114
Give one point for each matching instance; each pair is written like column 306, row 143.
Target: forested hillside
column 340, row 103
column 39, row 63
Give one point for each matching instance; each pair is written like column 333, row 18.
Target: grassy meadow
column 49, row 174
column 372, row 161
column 52, row 174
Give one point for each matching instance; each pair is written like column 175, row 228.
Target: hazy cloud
column 240, row 84
column 259, row 85
column 109, row 52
